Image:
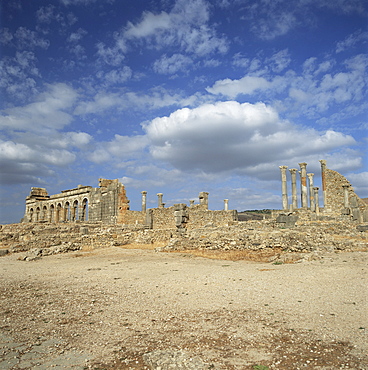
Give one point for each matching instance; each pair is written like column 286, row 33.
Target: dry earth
column 138, row 309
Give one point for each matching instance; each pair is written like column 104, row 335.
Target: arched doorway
column 38, row 211
column 84, row 215
column 44, row 216
column 75, row 211
column 58, row 213
column 52, row 213
column 31, row 215
column 67, row 214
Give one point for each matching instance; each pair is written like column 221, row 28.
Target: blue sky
column 180, row 96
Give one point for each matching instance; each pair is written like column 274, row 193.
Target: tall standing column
column 144, row 201
column 323, row 173
column 346, row 195
column 316, row 200
column 294, row 196
column 226, row 204
column 159, row 195
column 284, row 188
column 303, row 184
column 311, row 192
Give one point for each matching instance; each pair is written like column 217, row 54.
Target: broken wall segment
column 338, row 194
column 109, row 204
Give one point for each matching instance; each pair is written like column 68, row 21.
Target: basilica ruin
column 109, row 204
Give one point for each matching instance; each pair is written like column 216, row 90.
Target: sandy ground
column 138, row 309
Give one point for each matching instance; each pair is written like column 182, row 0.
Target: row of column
column 313, row 191
column 203, row 200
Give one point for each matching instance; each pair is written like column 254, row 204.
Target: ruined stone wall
column 163, row 218
column 199, row 216
column 334, row 202
column 133, row 218
column 108, row 203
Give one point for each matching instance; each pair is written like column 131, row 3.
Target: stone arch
column 84, row 210
column 52, row 213
column 67, row 211
column 58, row 213
column 31, row 212
column 75, row 210
column 44, row 213
column 38, row 215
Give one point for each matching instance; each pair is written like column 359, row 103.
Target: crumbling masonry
column 109, row 204
column 339, row 198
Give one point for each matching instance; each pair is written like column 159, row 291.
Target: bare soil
column 138, row 309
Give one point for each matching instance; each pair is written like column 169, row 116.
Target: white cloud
column 26, row 39
column 48, row 112
column 15, row 152
column 351, row 41
column 185, row 26
column 229, row 136
column 173, row 64
column 121, row 148
column 245, row 85
column 116, row 76
column 18, row 75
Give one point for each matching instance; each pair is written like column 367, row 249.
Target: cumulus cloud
column 48, row 112
column 121, row 148
column 229, row 136
column 245, row 85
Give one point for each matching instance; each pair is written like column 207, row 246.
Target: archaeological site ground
column 88, row 283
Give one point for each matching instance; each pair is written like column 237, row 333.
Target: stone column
column 203, row 198
column 311, row 192
column 226, row 204
column 159, row 195
column 294, row 196
column 144, row 201
column 323, row 173
column 191, row 203
column 303, row 184
column 316, row 200
column 284, row 188
column 346, row 195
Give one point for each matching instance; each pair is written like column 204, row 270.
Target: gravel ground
column 138, row 309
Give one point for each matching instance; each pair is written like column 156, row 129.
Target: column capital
column 302, row 165
column 346, row 186
column 315, row 188
column 293, row 170
column 159, row 194
column 283, row 167
column 310, row 175
column 323, row 162
column 143, row 192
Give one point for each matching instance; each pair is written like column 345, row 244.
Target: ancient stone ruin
column 109, row 204
column 339, row 198
column 87, row 218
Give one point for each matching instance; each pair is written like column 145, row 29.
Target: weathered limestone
column 346, row 195
column 226, row 204
column 191, row 203
column 203, row 198
column 144, row 201
column 284, row 188
column 311, row 192
column 316, row 200
column 303, row 184
column 294, row 197
column 323, row 173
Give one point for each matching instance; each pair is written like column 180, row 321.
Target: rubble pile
column 307, row 236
